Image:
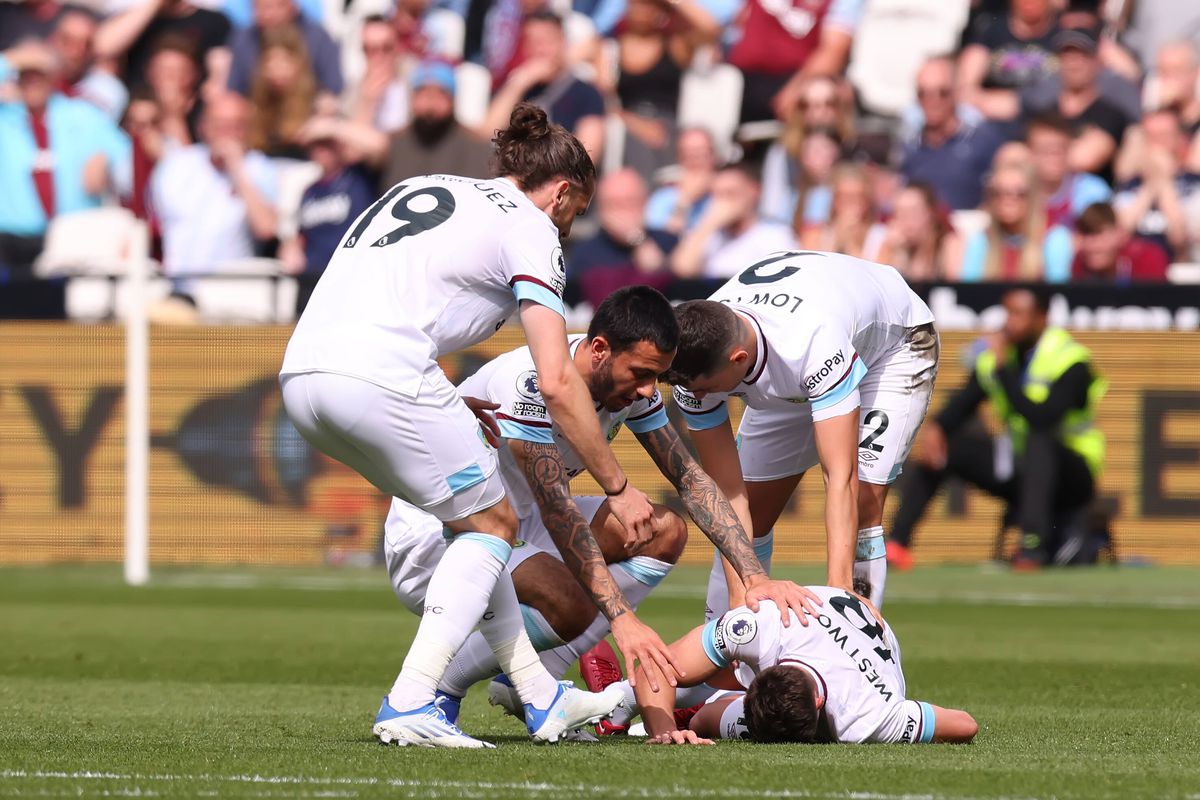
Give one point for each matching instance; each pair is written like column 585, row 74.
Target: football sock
column 476, row 661
column 458, row 595
column 717, row 602
column 870, row 564
column 504, row 629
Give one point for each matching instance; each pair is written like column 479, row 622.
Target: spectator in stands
column 72, row 42
column 246, row 44
column 1162, row 201
column 1154, row 23
column 28, row 20
column 1107, row 253
column 58, row 155
column 784, row 44
column 434, row 141
column 1016, row 245
column 623, row 252
column 798, row 190
column 380, row 99
column 827, row 102
column 1116, row 59
column 173, row 77
column 143, row 123
column 1006, row 53
column 545, row 79
column 239, row 183
column 678, row 206
column 282, row 94
column 656, row 42
column 920, row 240
column 132, row 36
column 730, row 235
column 950, row 154
column 854, row 227
column 1064, row 193
column 327, row 207
column 1097, row 123
column 1177, row 73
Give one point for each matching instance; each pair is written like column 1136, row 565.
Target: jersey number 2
column 415, row 221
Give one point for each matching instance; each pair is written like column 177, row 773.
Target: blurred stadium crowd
column 994, row 140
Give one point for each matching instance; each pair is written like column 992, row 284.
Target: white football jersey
column 822, row 320
column 435, row 265
column 854, row 661
column 511, row 381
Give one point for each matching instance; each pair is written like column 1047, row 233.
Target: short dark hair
column 781, row 706
column 1038, row 291
column 1095, row 218
column 543, row 15
column 1051, row 120
column 635, row 314
column 708, row 332
column 535, row 151
column 746, row 169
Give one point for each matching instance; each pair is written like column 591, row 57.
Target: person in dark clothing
column 1043, row 386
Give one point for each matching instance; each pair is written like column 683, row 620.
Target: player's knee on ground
column 670, row 536
column 781, row 706
column 545, row 583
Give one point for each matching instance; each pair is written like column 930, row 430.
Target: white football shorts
column 779, row 442
column 414, row 544
column 427, row 448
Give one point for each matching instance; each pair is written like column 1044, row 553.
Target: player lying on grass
column 837, row 679
column 565, row 543
column 835, row 358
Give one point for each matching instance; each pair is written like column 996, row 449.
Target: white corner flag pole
column 137, row 428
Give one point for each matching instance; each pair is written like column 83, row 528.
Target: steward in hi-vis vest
column 1044, row 389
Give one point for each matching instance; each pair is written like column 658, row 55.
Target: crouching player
column 565, row 543
column 837, row 679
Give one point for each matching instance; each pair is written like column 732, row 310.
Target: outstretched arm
column 658, row 708
column 542, row 466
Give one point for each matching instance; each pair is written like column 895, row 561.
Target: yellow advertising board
column 232, row 482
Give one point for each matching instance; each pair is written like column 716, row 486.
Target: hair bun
column 528, row 122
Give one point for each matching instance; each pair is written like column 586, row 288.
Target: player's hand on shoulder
column 786, row 595
column 678, row 737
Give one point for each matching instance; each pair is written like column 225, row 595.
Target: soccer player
column 837, row 679
column 564, row 542
column 835, row 358
column 435, row 265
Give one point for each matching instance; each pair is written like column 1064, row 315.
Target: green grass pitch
column 264, row 684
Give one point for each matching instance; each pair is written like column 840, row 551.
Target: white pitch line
column 427, row 788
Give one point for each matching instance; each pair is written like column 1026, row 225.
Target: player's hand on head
column 636, row 514
column 487, row 422
column 641, row 645
column 678, row 737
column 787, row 596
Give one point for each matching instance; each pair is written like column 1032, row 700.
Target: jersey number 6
column 416, row 221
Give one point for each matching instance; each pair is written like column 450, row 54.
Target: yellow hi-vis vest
column 1054, row 354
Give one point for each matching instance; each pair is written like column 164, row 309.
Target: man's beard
column 601, row 385
column 431, row 130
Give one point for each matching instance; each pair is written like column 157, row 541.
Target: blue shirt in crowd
column 326, row 209
column 956, row 168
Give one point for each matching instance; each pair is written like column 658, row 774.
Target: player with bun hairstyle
column 437, row 264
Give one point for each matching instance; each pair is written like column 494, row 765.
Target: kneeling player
column 838, row 679
column 565, row 542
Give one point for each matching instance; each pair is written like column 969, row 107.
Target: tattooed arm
column 703, row 500
column 547, row 477
column 710, row 508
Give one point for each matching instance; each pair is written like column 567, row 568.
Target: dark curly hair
column 781, row 706
column 535, row 151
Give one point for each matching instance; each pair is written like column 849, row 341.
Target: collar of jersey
column 760, row 363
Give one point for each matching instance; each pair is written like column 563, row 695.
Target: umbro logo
column 866, row 455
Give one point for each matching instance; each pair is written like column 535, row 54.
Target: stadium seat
column 883, row 71
column 473, row 93
column 293, row 177
column 100, row 241
column 711, row 98
column 448, row 30
column 1183, row 273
